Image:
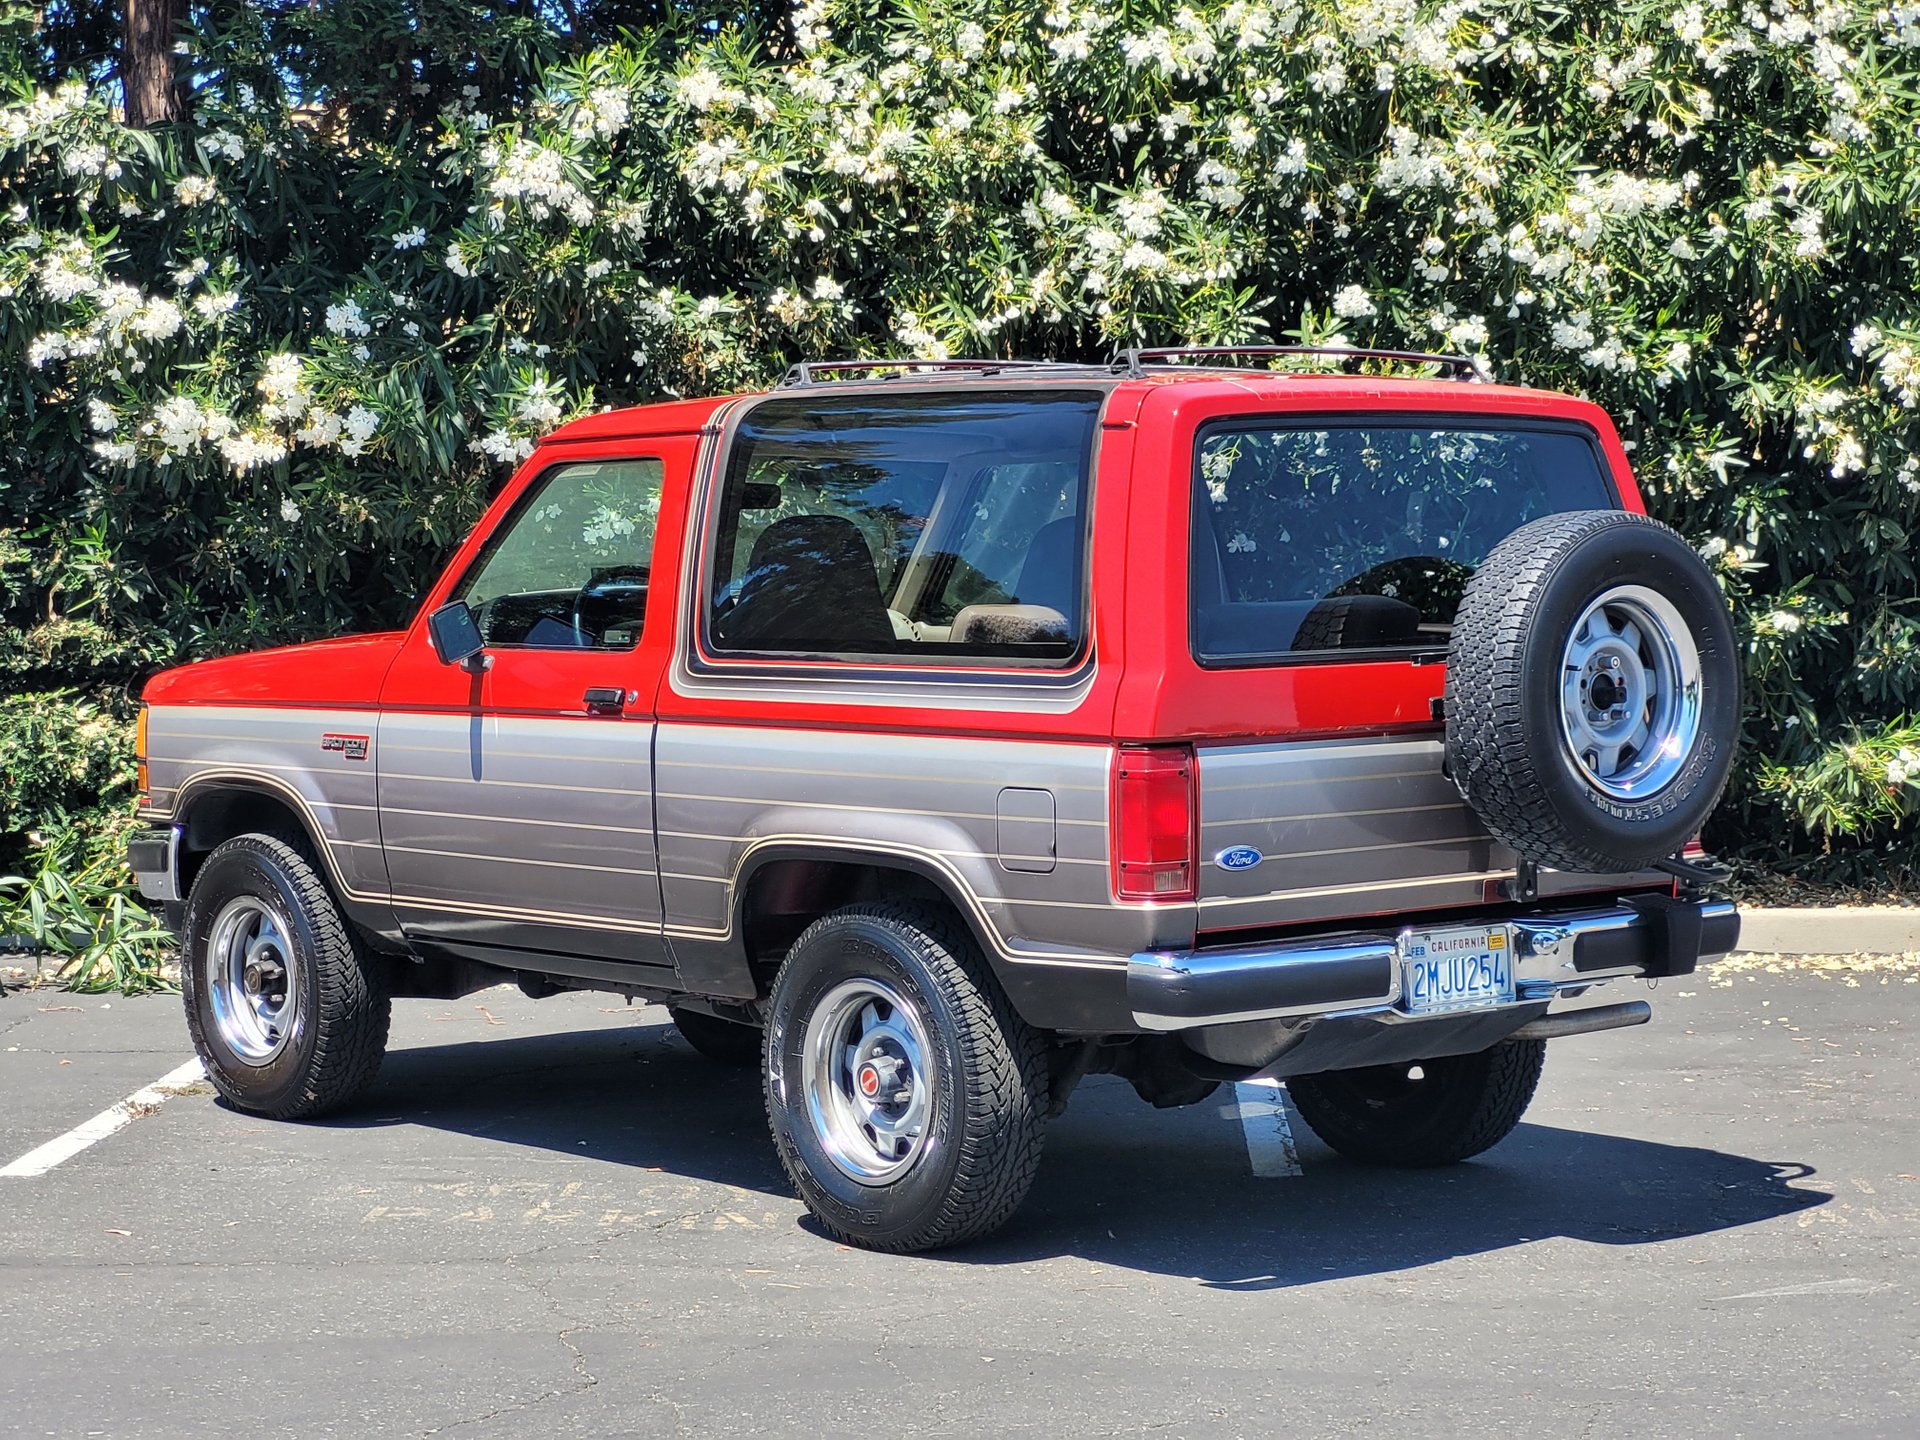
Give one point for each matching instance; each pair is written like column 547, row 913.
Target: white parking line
column 1263, row 1119
column 114, row 1118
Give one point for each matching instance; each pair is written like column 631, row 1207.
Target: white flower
column 410, row 239
column 1351, row 302
column 536, row 178
column 216, row 302
column 346, row 318
column 703, row 90
column 595, row 269
column 100, row 416
column 825, row 287
column 252, row 447
column 157, row 320
column 1784, row 621
column 180, row 424
column 195, row 189
column 538, row 407
column 322, row 428
column 289, row 509
column 504, row 447
column 457, row 263
column 359, row 427
column 1293, row 161
column 283, row 387
column 603, row 113
column 117, row 452
column 1865, row 337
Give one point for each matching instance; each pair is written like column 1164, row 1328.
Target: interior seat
column 811, row 584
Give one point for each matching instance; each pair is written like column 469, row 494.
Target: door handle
column 607, row 701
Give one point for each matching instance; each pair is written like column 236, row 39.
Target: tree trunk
column 148, row 28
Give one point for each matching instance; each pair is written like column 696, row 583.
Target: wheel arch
column 212, row 809
column 784, row 886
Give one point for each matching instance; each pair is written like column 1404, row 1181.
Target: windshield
column 1317, row 536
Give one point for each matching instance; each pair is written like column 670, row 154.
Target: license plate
column 1459, row 968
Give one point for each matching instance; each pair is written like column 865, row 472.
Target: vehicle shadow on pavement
column 1339, row 1219
column 634, row 1095
column 1168, row 1192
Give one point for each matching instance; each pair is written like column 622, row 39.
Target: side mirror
column 455, row 634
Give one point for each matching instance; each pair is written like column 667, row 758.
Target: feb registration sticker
column 1459, row 968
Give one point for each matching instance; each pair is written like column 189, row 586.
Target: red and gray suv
column 931, row 735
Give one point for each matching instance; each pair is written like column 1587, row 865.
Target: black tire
column 1461, row 1105
column 336, row 1035
column 1509, row 752
column 988, row 1098
column 725, row 1042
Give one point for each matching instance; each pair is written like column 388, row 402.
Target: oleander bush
column 263, row 365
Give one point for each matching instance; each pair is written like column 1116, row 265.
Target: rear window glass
column 931, row 527
column 1325, row 537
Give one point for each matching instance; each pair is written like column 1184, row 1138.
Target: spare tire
column 1593, row 692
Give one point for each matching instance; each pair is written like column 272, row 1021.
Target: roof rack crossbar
column 811, row 372
column 1458, row 367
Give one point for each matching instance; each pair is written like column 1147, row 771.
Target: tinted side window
column 928, row 527
column 1362, row 537
column 568, row 569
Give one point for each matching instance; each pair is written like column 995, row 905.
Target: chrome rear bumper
column 1651, row 935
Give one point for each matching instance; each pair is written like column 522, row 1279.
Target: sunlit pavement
column 553, row 1218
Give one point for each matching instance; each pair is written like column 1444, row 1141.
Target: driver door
column 516, row 794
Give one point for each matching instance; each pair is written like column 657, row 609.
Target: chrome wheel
column 250, row 981
column 869, row 1088
column 1630, row 692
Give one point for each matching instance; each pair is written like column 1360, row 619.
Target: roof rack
column 812, row 372
column 1136, row 359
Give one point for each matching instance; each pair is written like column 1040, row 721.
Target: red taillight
column 1153, row 822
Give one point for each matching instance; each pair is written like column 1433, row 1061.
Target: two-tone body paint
column 197, row 751
column 1346, row 828
column 495, row 816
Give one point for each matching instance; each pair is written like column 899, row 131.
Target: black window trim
column 703, row 658
column 1356, row 419
column 517, row 510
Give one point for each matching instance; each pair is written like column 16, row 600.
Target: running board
column 1585, row 1022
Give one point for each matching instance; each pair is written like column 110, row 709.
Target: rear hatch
column 1345, row 544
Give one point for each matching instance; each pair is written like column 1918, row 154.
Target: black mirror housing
column 454, row 633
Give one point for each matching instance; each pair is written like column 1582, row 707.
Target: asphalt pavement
column 553, row 1218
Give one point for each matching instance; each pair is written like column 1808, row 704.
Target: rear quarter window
column 1316, row 537
column 942, row 528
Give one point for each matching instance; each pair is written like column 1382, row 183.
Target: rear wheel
column 285, row 1007
column 1428, row 1112
column 907, row 1099
column 726, row 1042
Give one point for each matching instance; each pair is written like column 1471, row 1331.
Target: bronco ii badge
column 1238, row 857
column 353, row 747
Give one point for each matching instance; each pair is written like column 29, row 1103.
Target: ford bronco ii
column 931, row 735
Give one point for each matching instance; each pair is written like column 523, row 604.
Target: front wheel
column 285, row 1007
column 1426, row 1112
column 907, row 1099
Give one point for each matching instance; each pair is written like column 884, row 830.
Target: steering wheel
column 611, row 594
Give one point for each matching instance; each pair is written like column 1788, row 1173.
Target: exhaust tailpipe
column 1585, row 1022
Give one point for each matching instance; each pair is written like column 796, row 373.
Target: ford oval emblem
column 1238, row 857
